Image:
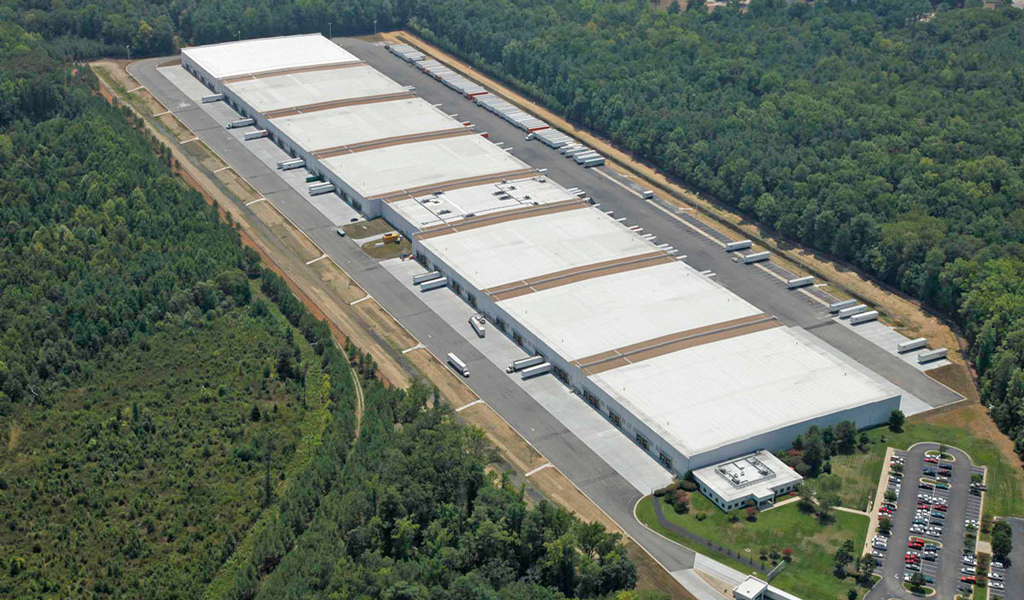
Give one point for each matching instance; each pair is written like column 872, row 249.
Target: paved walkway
column 883, row 479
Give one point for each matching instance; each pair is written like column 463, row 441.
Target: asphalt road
column 946, row 569
column 764, row 291
column 588, row 471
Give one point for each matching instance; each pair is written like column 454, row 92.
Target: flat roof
column 349, row 125
column 452, row 206
column 412, row 166
column 310, row 87
column 517, row 250
column 230, row 59
column 757, row 474
column 612, row 311
column 708, row 396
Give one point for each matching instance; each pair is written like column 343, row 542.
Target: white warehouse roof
column 413, row 165
column 521, row 249
column 711, row 395
column 492, row 198
column 348, row 125
column 588, row 317
column 231, row 59
column 310, row 87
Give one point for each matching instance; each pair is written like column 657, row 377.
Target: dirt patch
column 386, row 251
column 284, row 232
column 512, row 446
column 338, row 281
column 202, row 154
column 234, row 182
column 113, row 73
column 386, row 327
column 557, row 487
column 956, row 377
column 365, row 229
column 176, row 127
column 13, row 437
column 452, row 388
column 973, row 417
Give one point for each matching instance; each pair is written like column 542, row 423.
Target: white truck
column 457, row 364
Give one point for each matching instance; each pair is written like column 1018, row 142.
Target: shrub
column 689, row 486
column 751, row 514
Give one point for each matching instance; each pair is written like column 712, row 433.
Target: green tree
column 896, row 421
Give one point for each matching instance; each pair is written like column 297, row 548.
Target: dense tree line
column 412, row 514
column 179, row 425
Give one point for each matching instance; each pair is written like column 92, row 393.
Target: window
column 518, row 339
column 560, row 374
column 665, row 460
column 614, row 418
column 591, row 399
column 500, row 324
column 457, row 287
column 642, row 442
column 472, row 300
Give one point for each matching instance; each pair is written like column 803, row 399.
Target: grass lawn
column 814, row 545
column 860, row 472
column 389, row 250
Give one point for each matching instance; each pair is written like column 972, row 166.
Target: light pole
column 129, row 49
column 375, row 27
column 239, row 34
column 330, row 30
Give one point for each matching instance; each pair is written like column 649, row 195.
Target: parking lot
column 934, row 522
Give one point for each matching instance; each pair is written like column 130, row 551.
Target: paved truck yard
column 624, row 324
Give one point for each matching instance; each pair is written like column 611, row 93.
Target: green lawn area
column 860, row 472
column 813, row 544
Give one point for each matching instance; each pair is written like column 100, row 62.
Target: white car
column 995, row 585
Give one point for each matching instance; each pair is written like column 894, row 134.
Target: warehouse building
column 692, row 373
column 753, row 480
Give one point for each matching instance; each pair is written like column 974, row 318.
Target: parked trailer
column 740, row 245
column 255, row 135
column 433, row 284
column 457, row 364
column 478, row 323
column 523, row 363
column 864, row 317
column 212, row 98
column 537, row 370
column 423, row 277
column 321, row 188
column 846, row 313
column 838, row 306
column 930, row 355
column 799, row 282
column 597, row 161
column 647, row 194
column 241, row 123
column 756, row 257
column 287, row 165
column 909, row 345
column 584, row 156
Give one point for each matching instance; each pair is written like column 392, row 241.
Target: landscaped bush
column 689, row 486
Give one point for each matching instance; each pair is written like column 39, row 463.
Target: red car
column 932, row 460
column 969, row 579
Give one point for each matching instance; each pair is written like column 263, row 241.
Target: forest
column 176, row 424
column 886, row 133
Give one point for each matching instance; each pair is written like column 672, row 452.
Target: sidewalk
column 879, row 497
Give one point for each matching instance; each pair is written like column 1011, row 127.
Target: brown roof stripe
column 291, row 71
column 392, row 141
column 452, row 184
column 646, row 350
column 581, row 273
column 329, row 104
column 525, row 212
